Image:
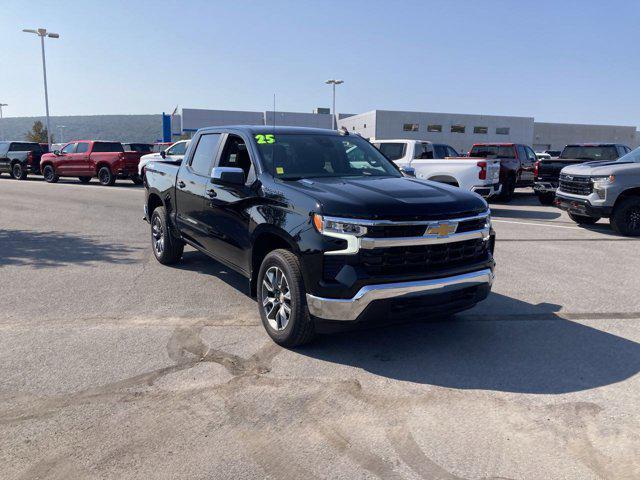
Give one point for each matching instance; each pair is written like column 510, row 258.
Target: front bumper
column 545, row 187
column 581, row 206
column 351, row 308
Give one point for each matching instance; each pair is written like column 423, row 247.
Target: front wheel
column 106, row 176
column 625, row 219
column 19, row 172
column 282, row 300
column 50, row 174
column 546, row 198
column 583, row 219
column 166, row 248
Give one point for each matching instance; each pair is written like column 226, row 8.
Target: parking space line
column 537, row 224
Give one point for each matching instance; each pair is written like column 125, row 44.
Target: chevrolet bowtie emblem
column 442, row 229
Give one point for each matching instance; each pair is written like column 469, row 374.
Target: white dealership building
column 460, row 131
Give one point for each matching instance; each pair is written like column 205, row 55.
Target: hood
column 390, row 198
column 606, row 167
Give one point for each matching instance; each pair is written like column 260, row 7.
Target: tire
column 625, row 219
column 280, row 275
column 583, row 219
column 136, row 180
column 166, row 248
column 50, row 174
column 508, row 189
column 106, row 177
column 546, row 198
column 18, row 172
column 84, row 179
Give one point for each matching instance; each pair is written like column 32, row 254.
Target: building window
column 457, row 128
column 502, row 131
column 434, row 128
column 410, row 127
column 364, row 126
column 481, row 130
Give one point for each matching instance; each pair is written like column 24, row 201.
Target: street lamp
column 61, row 127
column 333, row 83
column 2, row 105
column 42, row 32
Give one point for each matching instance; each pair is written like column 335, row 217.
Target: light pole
column 333, row 82
column 61, row 127
column 42, row 32
column 2, row 105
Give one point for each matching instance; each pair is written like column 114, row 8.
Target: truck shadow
column 508, row 346
column 54, row 249
column 195, row 261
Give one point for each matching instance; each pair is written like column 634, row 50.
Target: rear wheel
column 166, row 248
column 84, row 179
column 282, row 300
column 546, row 198
column 583, row 219
column 106, row 176
column 626, row 217
column 50, row 174
column 18, row 171
column 508, row 189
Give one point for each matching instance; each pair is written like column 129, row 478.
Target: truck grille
column 576, row 185
column 411, row 260
column 392, row 231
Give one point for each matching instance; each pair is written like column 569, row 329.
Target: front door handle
column 181, row 184
column 212, row 193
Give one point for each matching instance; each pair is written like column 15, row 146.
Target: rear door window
column 498, row 151
column 440, row 151
column 83, row 147
column 393, row 151
column 69, row 148
column 205, row 153
column 423, row 150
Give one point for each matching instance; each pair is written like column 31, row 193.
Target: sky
column 556, row 61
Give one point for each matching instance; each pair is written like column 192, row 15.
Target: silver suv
column 610, row 189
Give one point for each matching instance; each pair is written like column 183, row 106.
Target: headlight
column 327, row 225
column 602, row 180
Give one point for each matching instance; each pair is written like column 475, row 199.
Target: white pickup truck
column 441, row 163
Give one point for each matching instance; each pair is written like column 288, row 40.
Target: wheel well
column 262, row 245
column 445, row 179
column 152, row 203
column 632, row 192
column 102, row 164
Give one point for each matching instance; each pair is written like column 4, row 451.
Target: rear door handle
column 181, row 184
column 212, row 193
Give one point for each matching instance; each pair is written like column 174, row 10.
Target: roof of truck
column 255, row 129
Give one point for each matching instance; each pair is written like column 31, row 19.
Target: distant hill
column 124, row 128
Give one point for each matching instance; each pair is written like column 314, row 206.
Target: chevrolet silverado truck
column 324, row 227
column 516, row 164
column 87, row 159
column 20, row 158
column 441, row 163
column 547, row 171
column 606, row 189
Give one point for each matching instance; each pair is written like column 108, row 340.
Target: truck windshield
column 295, row 156
column 632, row 156
column 107, row 147
column 590, row 152
column 499, row 151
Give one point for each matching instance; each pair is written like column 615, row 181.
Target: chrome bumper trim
column 350, row 308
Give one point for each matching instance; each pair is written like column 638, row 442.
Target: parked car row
column 84, row 159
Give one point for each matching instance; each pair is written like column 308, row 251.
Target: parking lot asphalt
column 114, row 366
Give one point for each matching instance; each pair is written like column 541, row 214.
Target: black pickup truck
column 326, row 229
column 20, row 158
column 547, row 171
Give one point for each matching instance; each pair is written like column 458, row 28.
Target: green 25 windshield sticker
column 268, row 138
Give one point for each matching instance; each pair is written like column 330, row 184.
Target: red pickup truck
column 87, row 159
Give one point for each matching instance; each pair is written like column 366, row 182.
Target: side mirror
column 227, row 175
column 163, row 154
column 408, row 171
column 56, row 153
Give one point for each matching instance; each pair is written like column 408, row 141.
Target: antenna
column 274, row 113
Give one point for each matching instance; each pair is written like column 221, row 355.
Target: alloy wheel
column 276, row 298
column 633, row 219
column 157, row 233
